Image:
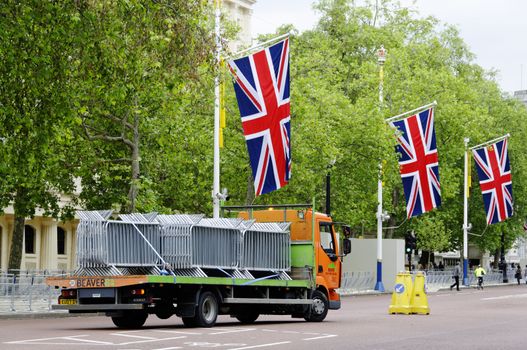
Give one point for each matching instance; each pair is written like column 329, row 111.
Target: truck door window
column 326, row 238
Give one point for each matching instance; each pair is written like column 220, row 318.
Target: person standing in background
column 518, row 274
column 455, row 275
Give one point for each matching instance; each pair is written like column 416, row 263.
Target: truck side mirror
column 346, row 246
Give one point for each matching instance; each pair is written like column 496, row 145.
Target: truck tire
column 247, row 317
column 130, row 320
column 319, row 310
column 207, row 310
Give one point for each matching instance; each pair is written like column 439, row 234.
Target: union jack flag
column 261, row 83
column 495, row 180
column 418, row 162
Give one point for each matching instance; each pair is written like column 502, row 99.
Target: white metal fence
column 26, row 291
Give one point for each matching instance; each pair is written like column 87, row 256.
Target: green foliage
column 35, row 116
column 138, row 66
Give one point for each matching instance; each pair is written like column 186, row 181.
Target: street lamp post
column 465, row 215
column 503, row 263
column 381, row 58
column 328, row 187
column 216, row 163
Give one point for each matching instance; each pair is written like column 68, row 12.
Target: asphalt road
column 494, row 318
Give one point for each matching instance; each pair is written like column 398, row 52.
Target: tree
column 134, row 58
column 35, row 114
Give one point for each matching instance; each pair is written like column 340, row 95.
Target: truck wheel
column 319, row 310
column 247, row 317
column 207, row 310
column 130, row 320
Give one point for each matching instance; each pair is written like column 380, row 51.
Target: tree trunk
column 392, row 222
column 134, row 183
column 496, row 258
column 249, row 199
column 15, row 253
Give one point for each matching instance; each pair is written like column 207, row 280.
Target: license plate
column 68, row 301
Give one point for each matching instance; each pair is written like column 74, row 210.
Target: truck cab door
column 328, row 262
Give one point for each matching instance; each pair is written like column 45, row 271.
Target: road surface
column 494, row 318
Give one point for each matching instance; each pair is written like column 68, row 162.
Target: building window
column 61, row 241
column 29, row 240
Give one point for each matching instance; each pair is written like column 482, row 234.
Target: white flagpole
column 481, row 145
column 465, row 217
column 239, row 53
column 419, row 109
column 216, row 178
column 379, row 286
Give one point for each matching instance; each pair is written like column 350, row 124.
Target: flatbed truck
column 308, row 289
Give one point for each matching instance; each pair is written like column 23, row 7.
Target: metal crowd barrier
column 266, row 246
column 126, row 247
column 182, row 241
column 443, row 279
column 357, row 281
column 91, row 238
column 216, row 243
column 27, row 291
column 176, row 239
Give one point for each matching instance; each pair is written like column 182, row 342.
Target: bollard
column 400, row 303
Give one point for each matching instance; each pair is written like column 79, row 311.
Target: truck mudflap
column 333, row 300
column 334, row 304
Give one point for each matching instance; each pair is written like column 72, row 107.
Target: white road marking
column 132, row 336
column 40, row 340
column 225, row 331
column 75, row 338
column 150, row 340
column 174, row 347
column 290, row 332
column 512, row 296
column 322, row 337
column 261, row 345
column 177, row 332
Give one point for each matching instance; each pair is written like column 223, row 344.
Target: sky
column 494, row 30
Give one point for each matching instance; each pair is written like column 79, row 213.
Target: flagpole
column 260, row 45
column 419, row 109
column 381, row 58
column 465, row 216
column 490, row 142
column 216, row 178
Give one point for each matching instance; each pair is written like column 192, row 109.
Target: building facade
column 240, row 11
column 521, row 95
column 48, row 245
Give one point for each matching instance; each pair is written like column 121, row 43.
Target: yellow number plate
column 68, row 301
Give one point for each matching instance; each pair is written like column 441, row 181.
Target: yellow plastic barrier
column 419, row 300
column 401, row 294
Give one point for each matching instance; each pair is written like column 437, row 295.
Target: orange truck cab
column 316, row 243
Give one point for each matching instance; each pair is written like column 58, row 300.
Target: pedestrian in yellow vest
column 479, row 272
